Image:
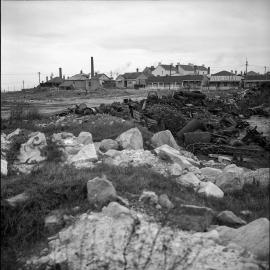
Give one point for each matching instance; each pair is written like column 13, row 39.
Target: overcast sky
column 125, row 35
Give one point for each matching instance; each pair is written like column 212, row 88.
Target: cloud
column 125, row 35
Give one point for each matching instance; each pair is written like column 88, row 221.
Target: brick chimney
column 208, row 70
column 47, row 78
column 137, row 70
column 81, row 72
column 235, row 72
column 92, row 67
column 60, row 73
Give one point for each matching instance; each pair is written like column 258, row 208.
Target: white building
column 163, row 70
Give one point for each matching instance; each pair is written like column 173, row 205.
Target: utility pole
column 38, row 77
column 170, row 77
column 246, row 65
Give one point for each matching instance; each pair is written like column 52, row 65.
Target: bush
column 24, row 111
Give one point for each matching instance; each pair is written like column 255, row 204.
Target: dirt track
column 56, row 104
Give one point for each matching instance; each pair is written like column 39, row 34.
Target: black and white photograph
column 135, row 134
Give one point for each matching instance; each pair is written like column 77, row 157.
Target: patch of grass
column 53, row 187
column 24, row 111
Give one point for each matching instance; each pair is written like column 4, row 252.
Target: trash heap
column 200, row 124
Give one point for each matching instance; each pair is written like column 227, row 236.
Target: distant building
column 180, row 70
column 177, row 82
column 255, row 80
column 78, row 81
column 252, row 73
column 131, row 80
column 148, row 70
column 191, row 70
column 163, row 70
column 102, row 78
column 54, row 82
column 224, row 80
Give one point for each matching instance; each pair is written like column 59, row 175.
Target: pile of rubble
column 201, row 124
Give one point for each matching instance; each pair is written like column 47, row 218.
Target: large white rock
column 100, row 191
column 209, row 189
column 131, row 139
column 188, row 180
column 260, row 177
column 254, row 237
column 85, row 138
column 4, row 168
column 211, row 174
column 114, row 239
column 170, row 154
column 87, row 153
column 231, row 179
column 164, row 137
column 30, row 156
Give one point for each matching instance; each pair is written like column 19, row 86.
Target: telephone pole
column 38, row 77
column 170, row 77
column 246, row 65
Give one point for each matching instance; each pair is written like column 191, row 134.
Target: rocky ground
column 97, row 191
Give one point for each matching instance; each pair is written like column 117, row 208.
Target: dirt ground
column 52, row 101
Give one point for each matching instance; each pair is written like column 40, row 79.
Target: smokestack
column 47, row 78
column 60, row 73
column 92, row 67
column 235, row 72
column 208, row 70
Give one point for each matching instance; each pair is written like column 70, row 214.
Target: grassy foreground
column 64, row 187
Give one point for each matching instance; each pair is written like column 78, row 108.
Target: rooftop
column 191, row 67
column 79, row 77
column 223, row 73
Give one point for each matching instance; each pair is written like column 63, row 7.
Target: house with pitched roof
column 78, row 81
column 163, row 70
column 102, row 78
column 225, row 80
column 131, row 80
